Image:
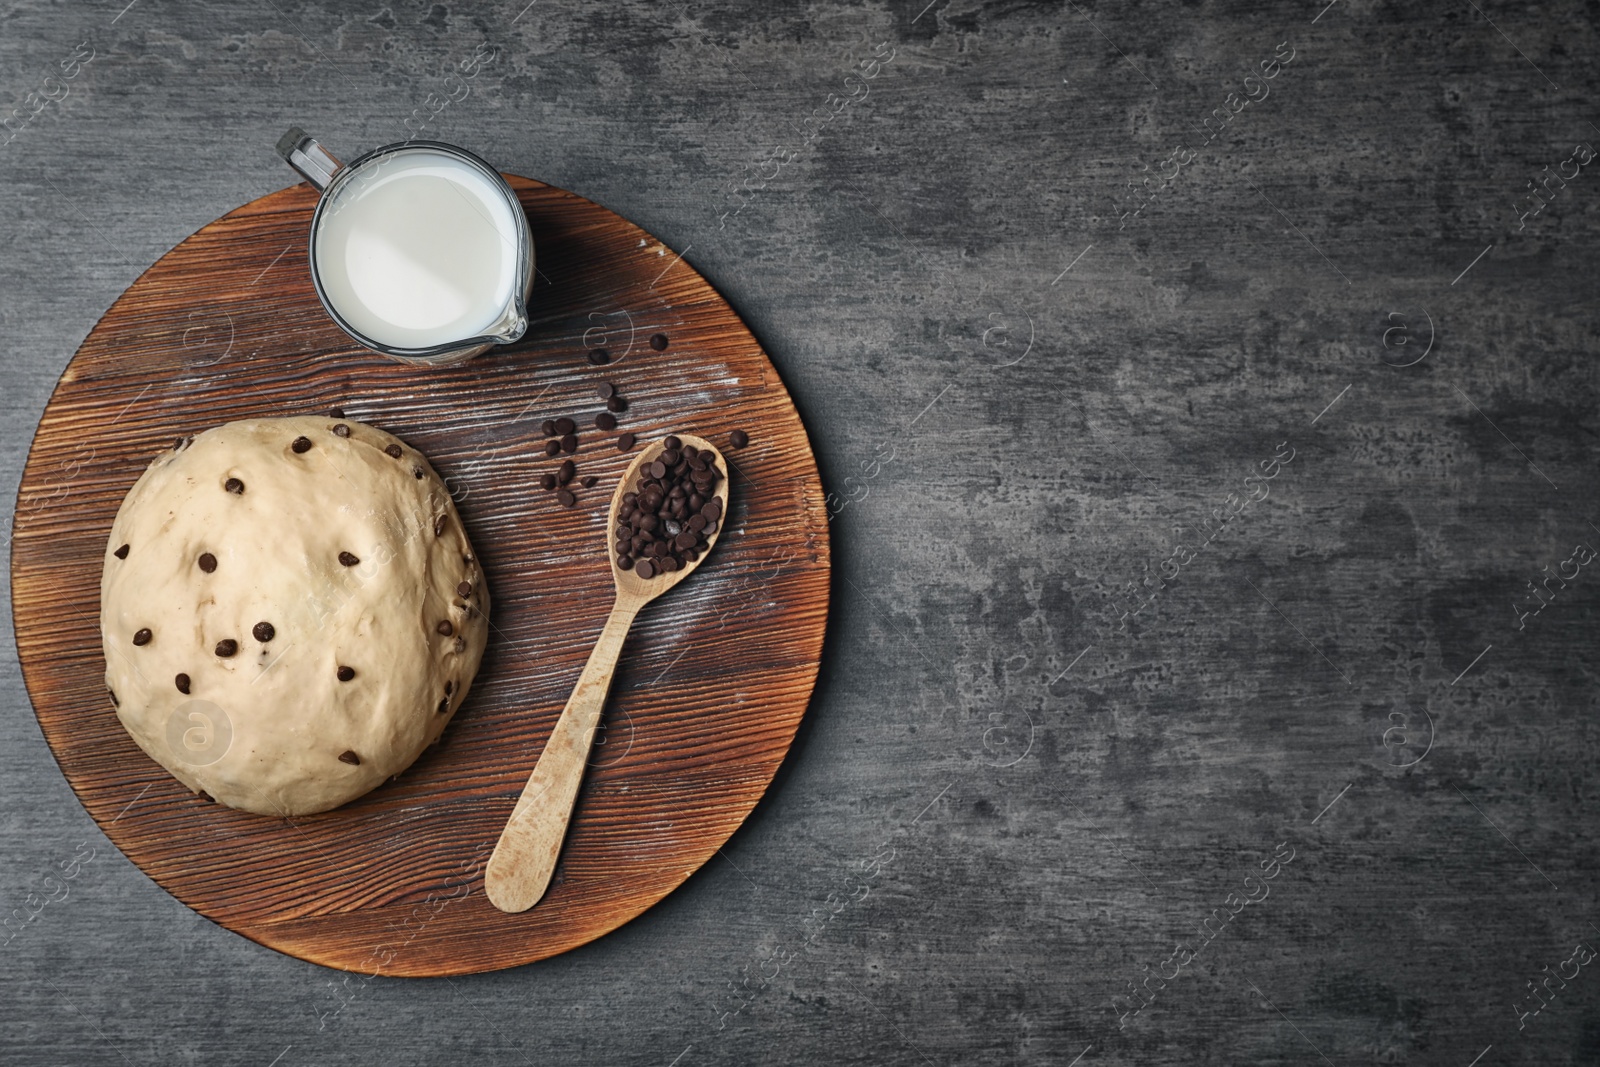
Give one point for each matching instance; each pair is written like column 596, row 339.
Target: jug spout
column 511, row 325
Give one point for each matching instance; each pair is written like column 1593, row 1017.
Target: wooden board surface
column 713, row 682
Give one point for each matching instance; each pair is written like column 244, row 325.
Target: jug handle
column 315, row 163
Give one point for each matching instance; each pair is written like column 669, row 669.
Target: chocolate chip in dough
column 207, row 561
column 142, row 636
column 344, row 674
column 301, row 444
column 350, row 757
column 114, row 701
column 349, row 559
column 207, row 797
column 182, row 682
column 416, row 472
column 234, row 486
column 121, row 553
column 227, row 647
column 393, row 450
column 658, row 341
column 444, row 705
column 263, row 632
column 464, row 589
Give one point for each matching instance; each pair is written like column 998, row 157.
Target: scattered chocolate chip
column 605, row 390
column 599, row 357
column 738, row 438
column 625, row 442
column 416, row 472
column 301, row 444
column 548, row 428
column 263, row 632
column 142, row 636
column 565, row 426
column 464, row 589
column 336, row 413
column 393, row 450
column 350, row 757
column 207, row 561
column 569, row 443
column 547, row 482
column 121, row 553
column 658, row 341
column 605, row 421
column 341, row 430
column 565, row 472
column 114, row 701
column 349, row 559
column 345, row 673
column 438, row 526
column 182, row 682
column 444, row 705
column 234, row 486
column 617, row 404
column 567, row 498
column 445, row 628
column 227, row 647
column 552, row 448
column 588, row 481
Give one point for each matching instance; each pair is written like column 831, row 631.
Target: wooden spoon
column 525, row 857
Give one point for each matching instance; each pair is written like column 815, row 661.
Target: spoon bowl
column 628, row 582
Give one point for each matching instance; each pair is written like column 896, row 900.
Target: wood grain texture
column 712, row 683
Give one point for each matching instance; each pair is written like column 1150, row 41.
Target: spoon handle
column 525, row 857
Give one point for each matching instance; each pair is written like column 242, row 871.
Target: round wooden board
column 715, row 676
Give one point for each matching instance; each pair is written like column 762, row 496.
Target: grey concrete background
column 1046, row 325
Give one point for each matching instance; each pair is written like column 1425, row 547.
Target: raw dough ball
column 291, row 611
